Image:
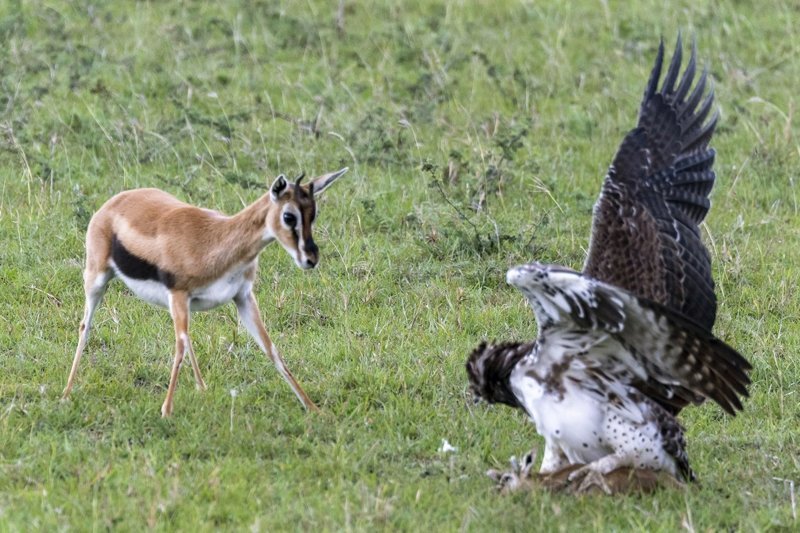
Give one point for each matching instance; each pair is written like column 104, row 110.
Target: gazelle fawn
column 186, row 259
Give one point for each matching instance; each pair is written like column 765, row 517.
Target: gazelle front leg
column 250, row 317
column 179, row 309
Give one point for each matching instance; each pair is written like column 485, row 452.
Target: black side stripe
column 135, row 267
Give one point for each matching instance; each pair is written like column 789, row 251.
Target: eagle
column 626, row 344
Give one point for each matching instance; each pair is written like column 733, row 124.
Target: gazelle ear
column 321, row 183
column 278, row 187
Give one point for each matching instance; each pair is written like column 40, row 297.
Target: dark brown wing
column 645, row 234
column 705, row 365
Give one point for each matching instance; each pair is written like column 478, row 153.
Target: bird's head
column 489, row 370
column 532, row 280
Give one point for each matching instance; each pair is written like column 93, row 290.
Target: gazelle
column 186, row 258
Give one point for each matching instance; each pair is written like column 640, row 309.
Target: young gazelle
column 187, row 259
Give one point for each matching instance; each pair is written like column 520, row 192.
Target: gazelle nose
column 310, row 263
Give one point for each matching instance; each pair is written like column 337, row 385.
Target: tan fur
column 199, row 247
column 195, row 244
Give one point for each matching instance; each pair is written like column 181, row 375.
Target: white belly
column 216, row 293
column 150, row 291
column 220, row 291
column 574, row 423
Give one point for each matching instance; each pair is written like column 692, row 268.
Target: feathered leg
column 554, row 459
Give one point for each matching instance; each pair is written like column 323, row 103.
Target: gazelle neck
column 244, row 235
column 253, row 220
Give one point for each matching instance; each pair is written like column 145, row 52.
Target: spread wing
column 645, row 235
column 641, row 343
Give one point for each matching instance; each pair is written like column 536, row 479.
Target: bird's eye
column 289, row 219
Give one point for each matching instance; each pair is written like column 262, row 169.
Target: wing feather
column 645, row 232
column 665, row 354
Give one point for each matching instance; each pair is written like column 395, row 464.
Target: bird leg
column 594, row 474
column 554, row 459
column 592, row 479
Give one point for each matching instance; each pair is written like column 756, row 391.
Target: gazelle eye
column 289, row 219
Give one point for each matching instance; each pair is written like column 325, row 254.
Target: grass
column 438, row 108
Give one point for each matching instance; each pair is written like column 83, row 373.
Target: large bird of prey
column 627, row 343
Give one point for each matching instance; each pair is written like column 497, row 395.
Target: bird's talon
column 578, row 474
column 592, row 479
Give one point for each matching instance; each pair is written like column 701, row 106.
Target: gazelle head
column 293, row 213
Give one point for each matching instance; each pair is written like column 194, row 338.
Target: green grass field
column 477, row 135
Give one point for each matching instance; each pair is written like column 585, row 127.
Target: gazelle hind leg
column 179, row 309
column 94, row 288
column 198, row 378
column 251, row 319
